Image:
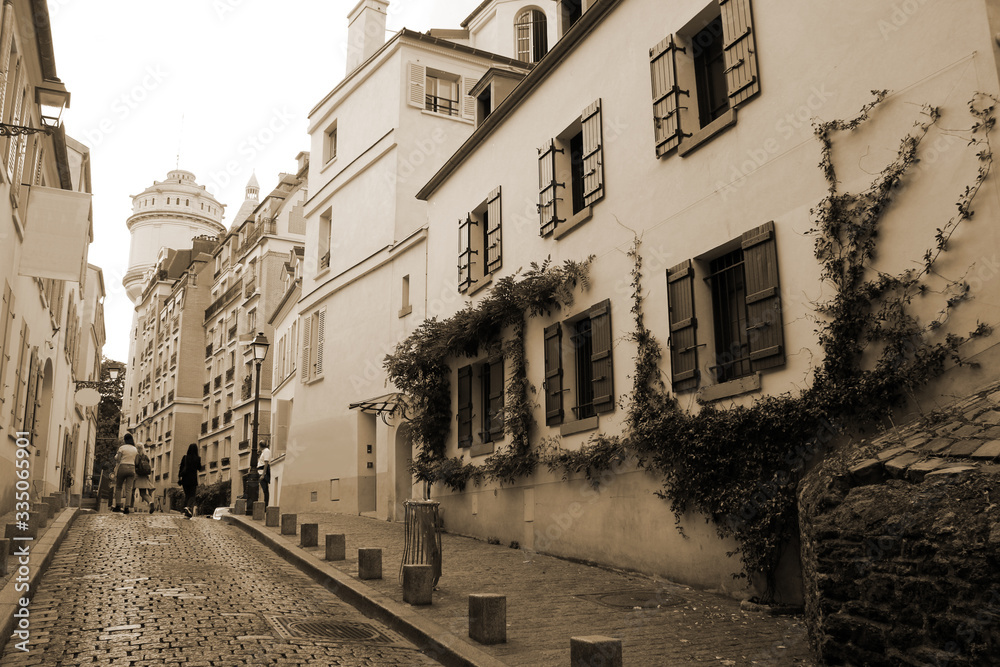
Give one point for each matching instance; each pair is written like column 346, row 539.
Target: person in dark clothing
column 188, row 477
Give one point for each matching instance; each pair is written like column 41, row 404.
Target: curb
column 433, row 639
column 41, row 553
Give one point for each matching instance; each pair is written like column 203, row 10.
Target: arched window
column 530, row 36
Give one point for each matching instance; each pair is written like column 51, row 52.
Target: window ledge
column 435, row 114
column 329, row 163
column 743, row 385
column 481, row 284
column 322, row 272
column 406, row 310
column 578, row 426
column 582, row 216
column 705, row 134
column 314, row 380
column 482, row 449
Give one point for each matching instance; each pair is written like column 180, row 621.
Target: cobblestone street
column 163, row 590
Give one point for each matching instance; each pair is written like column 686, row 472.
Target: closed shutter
column 283, row 418
column 683, row 339
column 306, row 361
column 417, row 96
column 553, row 375
column 6, row 35
column 495, row 398
column 547, row 187
column 20, row 379
column 468, row 101
column 494, row 215
column 603, row 372
column 320, row 340
column 764, row 329
column 740, row 50
column 22, row 149
column 31, row 399
column 593, row 154
column 6, row 326
column 666, row 96
column 465, row 406
column 465, row 253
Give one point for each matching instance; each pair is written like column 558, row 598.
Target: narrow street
column 163, row 590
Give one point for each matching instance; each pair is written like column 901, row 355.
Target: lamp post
column 113, row 371
column 251, row 490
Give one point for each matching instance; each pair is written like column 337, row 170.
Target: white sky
column 242, row 74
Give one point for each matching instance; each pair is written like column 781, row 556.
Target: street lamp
column 51, row 97
column 259, row 346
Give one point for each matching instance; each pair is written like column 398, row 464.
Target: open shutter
column 320, row 338
column 593, row 154
column 740, row 51
column 22, row 149
column 20, row 378
column 496, row 399
column 553, row 375
column 6, row 326
column 465, row 406
column 306, row 333
column 15, row 119
column 666, row 96
column 683, row 327
column 600, row 359
column 494, row 215
column 547, row 186
column 417, row 96
column 465, row 253
column 31, row 400
column 764, row 329
column 468, row 101
column 6, row 35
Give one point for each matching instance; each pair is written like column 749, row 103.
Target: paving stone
column 949, row 471
column 869, row 471
column 992, row 418
column 936, row 445
column 963, row 448
column 889, row 453
column 966, row 430
column 948, row 428
column 897, row 466
column 990, row 450
column 917, row 471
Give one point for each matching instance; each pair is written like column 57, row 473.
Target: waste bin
column 422, row 535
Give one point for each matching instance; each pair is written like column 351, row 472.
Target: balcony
column 218, row 382
column 208, row 388
column 215, row 423
column 227, row 416
column 220, row 303
column 208, row 350
column 244, row 444
column 230, row 375
column 204, row 428
column 213, row 465
column 265, row 226
column 251, row 287
column 225, row 460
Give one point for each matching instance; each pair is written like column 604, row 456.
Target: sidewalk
column 549, row 600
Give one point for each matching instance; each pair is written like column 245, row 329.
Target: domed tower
column 168, row 214
column 249, row 204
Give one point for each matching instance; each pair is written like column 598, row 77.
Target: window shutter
column 36, row 178
column 6, row 325
column 494, row 215
column 740, row 50
column 306, row 332
column 20, row 378
column 30, row 399
column 593, row 154
column 553, row 375
column 320, row 338
column 465, row 406
column 465, row 253
column 603, row 372
column 22, row 149
column 468, row 101
column 15, row 118
column 764, row 329
column 683, row 327
column 418, row 83
column 547, row 186
column 496, row 399
column 6, row 35
column 666, row 96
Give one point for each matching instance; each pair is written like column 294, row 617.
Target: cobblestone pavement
column 163, row 590
column 550, row 600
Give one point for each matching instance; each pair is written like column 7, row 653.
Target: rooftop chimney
column 365, row 32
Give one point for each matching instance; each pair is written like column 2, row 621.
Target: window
column 325, row 238
column 480, row 243
column 480, row 399
column 440, row 92
column 587, row 377
column 570, row 11
column 6, row 327
column 715, row 55
column 313, row 339
column 330, row 143
column 577, row 151
column 405, row 307
column 531, row 38
column 745, row 297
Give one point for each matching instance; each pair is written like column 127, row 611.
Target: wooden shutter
column 320, row 339
column 666, row 96
column 20, row 378
column 603, row 372
column 31, row 398
column 306, row 361
column 468, row 101
column 495, row 400
column 740, row 50
column 465, row 406
column 593, row 154
column 764, row 329
column 683, row 340
column 6, row 35
column 494, row 216
column 465, row 253
column 553, row 375
column 6, row 325
column 417, row 96
column 22, row 149
column 547, row 186
column 15, row 118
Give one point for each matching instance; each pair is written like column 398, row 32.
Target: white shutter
column 468, row 101
column 6, row 35
column 320, row 336
column 417, row 85
column 305, row 347
column 15, row 119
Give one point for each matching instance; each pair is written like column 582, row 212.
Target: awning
column 56, row 234
column 386, row 404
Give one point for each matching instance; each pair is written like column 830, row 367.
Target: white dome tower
column 168, row 214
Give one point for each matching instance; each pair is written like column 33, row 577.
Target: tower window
column 531, row 38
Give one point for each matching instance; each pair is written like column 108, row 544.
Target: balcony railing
column 230, row 375
column 213, row 465
column 208, row 350
column 215, row 423
column 204, row 428
column 218, row 381
column 225, row 460
column 208, row 388
column 251, row 287
column 265, row 226
column 220, row 303
column 227, row 416
column 244, row 444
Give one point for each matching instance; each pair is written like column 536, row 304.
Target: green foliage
column 208, row 497
column 109, row 413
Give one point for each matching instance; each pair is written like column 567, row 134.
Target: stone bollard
column 13, row 531
column 240, row 508
column 102, row 506
column 272, row 516
column 488, row 618
column 36, row 521
column 309, row 535
column 336, row 547
column 5, row 549
column 288, row 523
column 595, row 650
column 56, row 501
column 258, row 510
column 369, row 563
column 48, row 510
column 75, row 500
column 418, row 584
column 43, row 514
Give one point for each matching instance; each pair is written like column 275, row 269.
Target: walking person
column 124, row 474
column 264, row 470
column 188, row 477
column 143, row 469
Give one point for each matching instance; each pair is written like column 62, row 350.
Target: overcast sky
column 226, row 84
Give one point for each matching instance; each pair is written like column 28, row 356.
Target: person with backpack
column 143, row 469
column 187, row 477
column 124, row 474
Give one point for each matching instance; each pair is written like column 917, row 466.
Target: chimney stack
column 365, row 32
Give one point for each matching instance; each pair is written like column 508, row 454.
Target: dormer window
column 531, row 37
